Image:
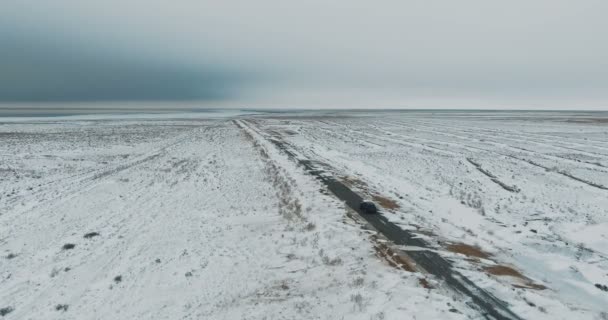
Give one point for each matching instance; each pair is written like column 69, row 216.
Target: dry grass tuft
column 394, row 259
column 425, row 283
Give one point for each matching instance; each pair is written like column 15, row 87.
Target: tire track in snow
column 566, row 174
column 86, row 180
column 493, row 177
column 481, row 137
column 99, row 255
column 439, row 151
column 547, row 169
column 513, row 136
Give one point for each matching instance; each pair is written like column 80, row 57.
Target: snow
column 195, row 220
column 205, row 219
column 551, row 226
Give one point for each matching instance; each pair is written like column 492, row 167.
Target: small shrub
column 310, row 226
column 358, row 282
column 357, row 299
column 91, row 235
column 5, row 311
column 61, row 307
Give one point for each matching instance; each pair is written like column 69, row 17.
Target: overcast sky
column 281, row 53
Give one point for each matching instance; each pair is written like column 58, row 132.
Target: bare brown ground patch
column 383, row 201
column 475, row 253
column 500, row 270
column 468, row 250
column 386, row 203
column 394, row 259
column 425, row 283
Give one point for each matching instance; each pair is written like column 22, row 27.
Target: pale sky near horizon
column 550, row 54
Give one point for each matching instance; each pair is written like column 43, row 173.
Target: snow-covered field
column 198, row 217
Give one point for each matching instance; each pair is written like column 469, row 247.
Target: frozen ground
column 198, row 217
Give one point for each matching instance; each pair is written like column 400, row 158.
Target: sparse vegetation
column 358, row 282
column 357, row 299
column 284, row 286
column 310, row 226
column 424, row 283
column 91, row 235
column 61, row 307
column 329, row 261
column 6, row 310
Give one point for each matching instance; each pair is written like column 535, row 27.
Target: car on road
column 368, row 207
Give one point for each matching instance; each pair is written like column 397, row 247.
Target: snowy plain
column 198, row 216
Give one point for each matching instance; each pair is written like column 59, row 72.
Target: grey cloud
column 48, row 70
column 536, row 50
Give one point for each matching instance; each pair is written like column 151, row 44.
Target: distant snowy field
column 193, row 216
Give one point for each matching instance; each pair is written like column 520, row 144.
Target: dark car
column 368, row 207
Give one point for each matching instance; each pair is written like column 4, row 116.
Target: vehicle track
column 493, row 177
column 511, row 136
column 566, row 174
column 85, row 180
column 479, row 137
column 439, row 151
column 509, row 188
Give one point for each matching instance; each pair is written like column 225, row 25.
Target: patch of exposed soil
column 468, row 250
column 395, row 260
column 386, row 203
column 425, row 283
column 500, row 270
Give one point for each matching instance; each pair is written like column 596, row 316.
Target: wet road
column 490, row 306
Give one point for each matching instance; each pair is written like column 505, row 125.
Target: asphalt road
column 490, row 306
